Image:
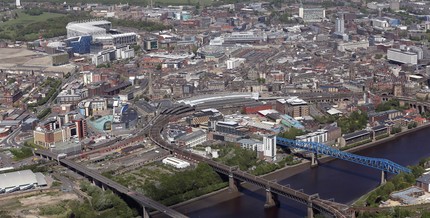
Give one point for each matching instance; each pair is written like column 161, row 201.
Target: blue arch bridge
column 315, row 148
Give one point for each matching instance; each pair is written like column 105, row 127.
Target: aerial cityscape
column 214, row 108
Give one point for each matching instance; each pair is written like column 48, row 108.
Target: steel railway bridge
column 315, row 148
column 273, row 189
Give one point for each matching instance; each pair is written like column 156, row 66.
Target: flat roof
column 17, row 178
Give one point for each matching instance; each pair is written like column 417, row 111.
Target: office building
column 402, row 56
column 352, row 46
column 319, row 136
column 251, row 144
column 80, row 44
column 233, row 63
column 150, row 44
column 294, row 107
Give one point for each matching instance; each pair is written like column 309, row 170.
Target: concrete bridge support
column 310, row 210
column 145, row 213
column 383, row 177
column 232, row 183
column 271, row 199
column 314, row 160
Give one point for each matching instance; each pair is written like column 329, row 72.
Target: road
column 9, row 141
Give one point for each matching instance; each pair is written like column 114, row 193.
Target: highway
column 140, row 198
column 321, row 205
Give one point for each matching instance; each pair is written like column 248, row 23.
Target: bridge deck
column 319, row 148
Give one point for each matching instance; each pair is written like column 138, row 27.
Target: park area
column 24, row 26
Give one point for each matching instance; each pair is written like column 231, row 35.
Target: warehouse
column 177, row 163
column 20, row 180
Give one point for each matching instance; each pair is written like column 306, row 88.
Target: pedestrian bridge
column 318, row 148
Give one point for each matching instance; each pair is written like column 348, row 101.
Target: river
column 341, row 180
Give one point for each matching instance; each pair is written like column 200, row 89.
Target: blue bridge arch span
column 319, row 148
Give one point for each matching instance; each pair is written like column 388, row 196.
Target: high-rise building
column 18, row 3
column 269, row 147
column 340, row 25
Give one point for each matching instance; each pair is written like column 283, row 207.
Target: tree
column 357, row 120
column 292, row 133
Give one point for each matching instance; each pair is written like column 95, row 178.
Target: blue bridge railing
column 318, row 148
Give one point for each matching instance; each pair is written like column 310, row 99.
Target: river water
column 341, row 180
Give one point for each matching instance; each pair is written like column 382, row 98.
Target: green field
column 25, row 19
column 26, row 27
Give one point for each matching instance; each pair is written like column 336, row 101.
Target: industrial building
column 402, row 56
column 177, row 163
column 20, row 180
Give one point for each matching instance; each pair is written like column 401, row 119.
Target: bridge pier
column 383, row 177
column 271, row 199
column 314, row 160
column 310, row 210
column 145, row 213
column 232, row 183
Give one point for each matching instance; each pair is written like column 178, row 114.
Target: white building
column 18, row 3
column 340, row 25
column 233, row 63
column 251, row 144
column 177, row 163
column 319, row 136
column 92, row 27
column 312, row 14
column 269, row 147
column 380, row 24
column 401, row 56
column 20, row 180
column 112, row 54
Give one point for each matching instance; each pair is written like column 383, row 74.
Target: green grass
column 12, row 28
column 25, row 19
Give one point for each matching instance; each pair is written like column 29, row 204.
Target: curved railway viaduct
column 273, row 190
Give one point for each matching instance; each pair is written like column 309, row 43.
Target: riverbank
column 224, row 195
